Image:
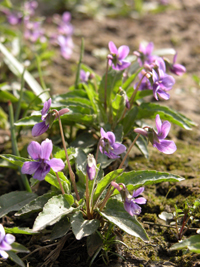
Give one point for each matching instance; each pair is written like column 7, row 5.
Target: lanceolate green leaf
column 105, row 181
column 15, row 258
column 115, row 213
column 135, row 179
column 114, row 81
column 29, row 121
column 14, row 201
column 82, row 227
column 36, row 204
column 17, row 68
column 150, row 110
column 192, row 243
column 15, row 160
column 53, row 211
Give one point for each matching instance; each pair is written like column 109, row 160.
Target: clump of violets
column 109, row 147
column 47, row 118
column 158, row 138
column 5, row 242
column 116, row 58
column 156, row 79
column 91, row 166
column 130, row 201
column 42, row 163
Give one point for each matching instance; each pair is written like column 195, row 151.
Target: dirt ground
column 178, row 28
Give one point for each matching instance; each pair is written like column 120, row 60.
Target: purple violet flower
column 41, row 164
column 66, row 46
column 145, row 54
column 158, row 138
column 162, row 82
column 15, row 18
column 33, row 31
column 131, row 202
column 84, row 76
column 42, row 127
column 30, row 7
column 108, row 146
column 48, row 118
column 91, row 166
column 5, row 242
column 117, row 56
column 177, row 69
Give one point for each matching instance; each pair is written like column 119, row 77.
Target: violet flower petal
column 165, row 128
column 5, row 246
column 138, row 192
column 165, row 146
column 56, row 164
column 39, row 128
column 9, row 238
column 46, row 107
column 111, row 137
column 118, row 148
column 4, row 254
column 123, row 52
column 34, row 150
column 2, row 233
column 140, row 200
column 46, row 149
column 29, row 167
column 41, row 172
column 112, row 48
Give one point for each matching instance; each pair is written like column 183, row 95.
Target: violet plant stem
column 87, row 198
column 109, row 193
column 71, row 173
column 128, row 151
column 132, row 97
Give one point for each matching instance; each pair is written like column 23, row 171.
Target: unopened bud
column 91, row 167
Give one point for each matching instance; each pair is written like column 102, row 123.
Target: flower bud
column 91, row 167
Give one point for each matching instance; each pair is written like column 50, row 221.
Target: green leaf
column 15, row 258
column 60, row 228
column 128, row 120
column 142, row 94
column 131, row 79
column 36, row 204
column 114, row 81
column 53, row 211
column 52, row 179
column 115, row 213
column 28, row 121
column 84, row 140
column 135, row 179
column 17, row 68
column 14, row 160
column 14, row 201
column 82, row 227
column 150, row 110
column 5, row 96
column 19, row 248
column 19, row 230
column 105, row 181
column 92, row 95
column 192, row 243
column 118, row 106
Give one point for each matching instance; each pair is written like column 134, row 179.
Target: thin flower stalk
column 128, row 151
column 87, row 198
column 131, row 100
column 71, row 173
